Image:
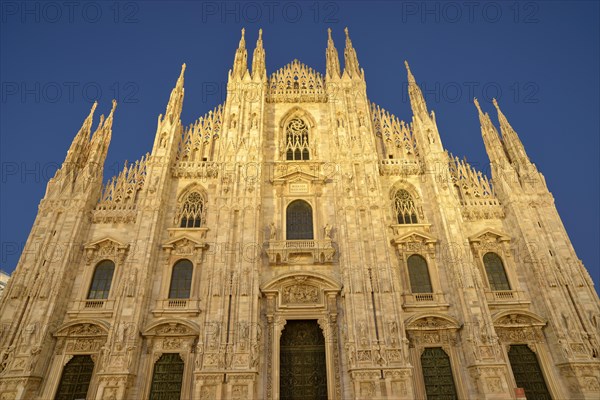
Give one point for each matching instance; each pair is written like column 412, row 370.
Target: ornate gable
column 294, row 83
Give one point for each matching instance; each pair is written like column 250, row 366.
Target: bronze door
column 437, row 373
column 303, row 373
column 167, row 377
column 527, row 372
column 75, row 379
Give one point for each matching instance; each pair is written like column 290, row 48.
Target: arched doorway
column 167, row 377
column 303, row 371
column 75, row 379
column 527, row 372
column 437, row 374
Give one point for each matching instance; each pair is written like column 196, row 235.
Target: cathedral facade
column 299, row 242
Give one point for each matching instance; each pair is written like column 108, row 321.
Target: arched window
column 299, row 224
column 296, row 140
column 437, row 374
column 191, row 212
column 167, row 377
column 418, row 273
column 102, row 280
column 494, row 269
column 181, row 280
column 75, row 378
column 405, row 209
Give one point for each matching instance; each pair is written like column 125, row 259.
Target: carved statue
column 350, row 354
column 254, row 355
column 327, row 230
column 30, row 332
column 363, row 333
column 272, row 231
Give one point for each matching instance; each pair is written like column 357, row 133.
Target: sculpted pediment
column 106, row 242
column 517, row 319
column 415, row 237
column 489, row 235
column 82, row 329
column 432, row 322
column 171, row 328
column 292, row 174
column 300, row 290
column 184, row 245
column 105, row 248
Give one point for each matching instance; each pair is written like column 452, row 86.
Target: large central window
column 299, row 221
column 296, row 140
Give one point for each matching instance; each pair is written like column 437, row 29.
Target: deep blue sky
column 541, row 59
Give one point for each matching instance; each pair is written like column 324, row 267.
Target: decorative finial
column 260, row 34
column 114, row 104
column 183, row 67
column 496, row 104
column 347, row 34
column 329, row 33
column 243, row 32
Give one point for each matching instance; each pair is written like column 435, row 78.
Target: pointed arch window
column 75, row 378
column 167, row 377
column 296, row 140
column 181, row 280
column 404, row 207
column 299, row 223
column 102, row 280
column 418, row 273
column 192, row 210
column 496, row 274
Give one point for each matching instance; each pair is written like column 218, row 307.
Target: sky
column 539, row 59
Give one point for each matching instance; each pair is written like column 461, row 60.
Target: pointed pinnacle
column 260, row 34
column 180, row 79
column 495, row 104
column 329, row 33
column 411, row 78
column 242, row 39
column 109, row 119
column 93, row 108
column 477, row 105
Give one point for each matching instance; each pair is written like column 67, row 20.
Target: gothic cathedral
column 299, row 242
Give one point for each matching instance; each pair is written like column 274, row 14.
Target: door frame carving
column 308, row 296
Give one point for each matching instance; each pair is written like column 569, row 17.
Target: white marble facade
column 385, row 199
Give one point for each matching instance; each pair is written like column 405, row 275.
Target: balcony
column 189, row 307
column 497, row 298
column 91, row 307
column 300, row 251
column 416, row 301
